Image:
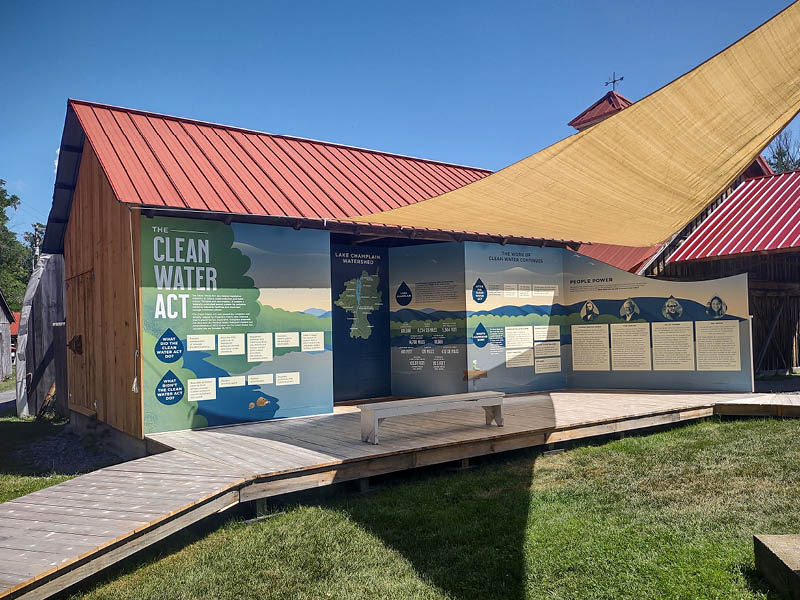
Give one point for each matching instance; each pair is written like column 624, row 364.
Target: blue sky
column 476, row 83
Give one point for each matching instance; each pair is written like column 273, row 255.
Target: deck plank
column 22, row 506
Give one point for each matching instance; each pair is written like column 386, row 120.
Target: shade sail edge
column 638, row 177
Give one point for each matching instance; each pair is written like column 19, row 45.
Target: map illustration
column 361, row 296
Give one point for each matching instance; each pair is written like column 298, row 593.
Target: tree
column 33, row 239
column 783, row 153
column 15, row 257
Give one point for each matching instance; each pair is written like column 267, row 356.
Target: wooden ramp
column 761, row 405
column 60, row 535
column 63, row 534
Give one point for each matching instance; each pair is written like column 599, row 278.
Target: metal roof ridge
column 792, row 172
column 618, row 98
column 277, row 135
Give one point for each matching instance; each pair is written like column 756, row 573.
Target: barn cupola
column 608, row 105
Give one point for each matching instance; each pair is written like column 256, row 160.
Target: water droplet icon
column 169, row 347
column 170, row 389
column 479, row 292
column 403, row 295
column 481, row 337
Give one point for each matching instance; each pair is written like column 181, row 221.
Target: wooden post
column 369, row 426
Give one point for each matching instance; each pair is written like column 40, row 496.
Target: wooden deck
column 761, row 405
column 296, row 454
column 60, row 535
column 63, row 534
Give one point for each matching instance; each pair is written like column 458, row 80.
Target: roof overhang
column 69, row 162
column 357, row 229
column 761, row 216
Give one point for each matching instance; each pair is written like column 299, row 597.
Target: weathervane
column 613, row 81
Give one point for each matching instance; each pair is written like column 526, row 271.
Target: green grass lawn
column 17, row 475
column 10, row 382
column 668, row 515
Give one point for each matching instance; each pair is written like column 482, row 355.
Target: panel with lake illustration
column 236, row 323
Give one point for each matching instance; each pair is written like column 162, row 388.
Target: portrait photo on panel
column 589, row 311
column 629, row 310
column 716, row 308
column 672, row 309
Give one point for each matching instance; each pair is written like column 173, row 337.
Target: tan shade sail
column 638, row 177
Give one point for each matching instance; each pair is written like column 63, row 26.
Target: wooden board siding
column 45, row 303
column 5, row 347
column 774, row 284
column 100, row 302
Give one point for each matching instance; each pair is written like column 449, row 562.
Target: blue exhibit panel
column 625, row 331
column 360, row 321
column 427, row 320
column 236, row 323
column 511, row 306
column 547, row 318
column 248, row 322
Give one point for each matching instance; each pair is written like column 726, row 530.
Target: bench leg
column 369, row 427
column 494, row 413
column 498, row 415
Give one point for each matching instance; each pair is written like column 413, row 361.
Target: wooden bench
column 373, row 414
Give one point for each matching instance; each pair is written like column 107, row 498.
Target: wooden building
column 117, row 165
column 41, row 351
column 6, row 321
column 14, row 334
column 755, row 230
column 209, row 272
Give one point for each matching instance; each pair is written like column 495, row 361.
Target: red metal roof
column 608, row 105
column 759, row 168
column 15, row 323
column 762, row 214
column 627, row 258
column 162, row 161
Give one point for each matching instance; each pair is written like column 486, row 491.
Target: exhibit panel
column 239, row 323
column 360, row 322
column 513, row 295
column 427, row 319
column 628, row 331
column 236, row 323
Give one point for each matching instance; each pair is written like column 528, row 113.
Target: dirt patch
column 64, row 453
column 777, row 385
